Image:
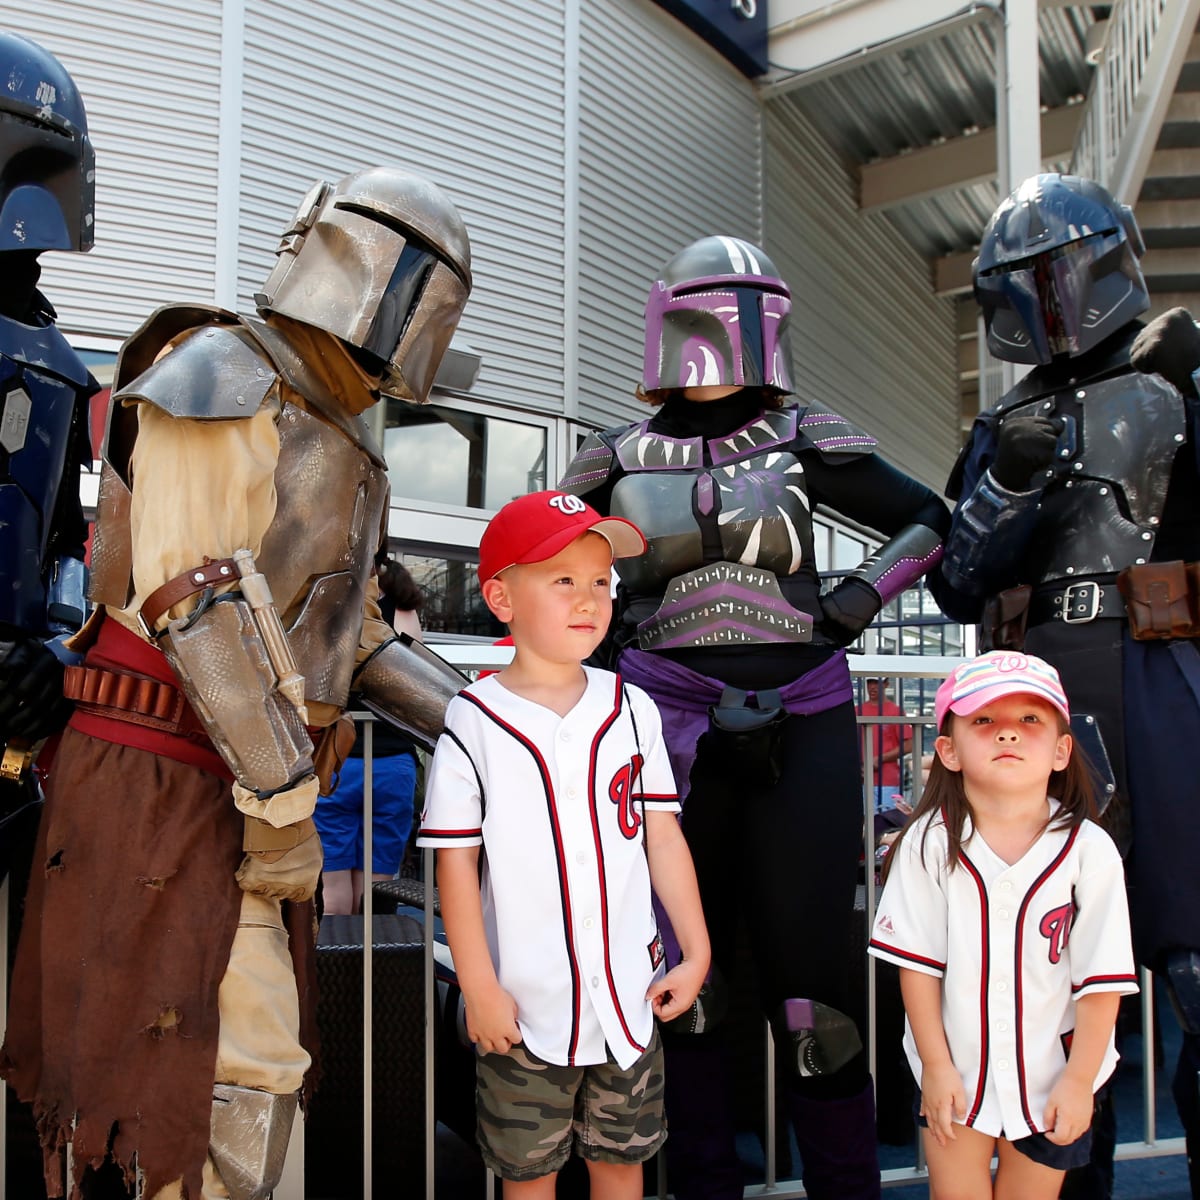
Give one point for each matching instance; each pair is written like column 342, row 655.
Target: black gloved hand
column 848, row 609
column 32, row 705
column 1025, row 446
column 1169, row 346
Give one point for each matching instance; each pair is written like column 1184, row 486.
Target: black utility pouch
column 744, row 743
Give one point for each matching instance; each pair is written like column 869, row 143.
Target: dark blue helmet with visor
column 47, row 166
column 1058, row 270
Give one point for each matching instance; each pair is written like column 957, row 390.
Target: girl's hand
column 492, row 1021
column 942, row 1099
column 1068, row 1112
column 675, row 992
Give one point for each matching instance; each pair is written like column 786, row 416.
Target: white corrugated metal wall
column 150, row 80
column 584, row 143
column 870, row 338
column 469, row 94
column 670, row 149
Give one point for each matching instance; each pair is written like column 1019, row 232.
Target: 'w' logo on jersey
column 620, row 792
column 1056, row 926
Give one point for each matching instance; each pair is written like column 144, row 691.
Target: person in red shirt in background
column 892, row 743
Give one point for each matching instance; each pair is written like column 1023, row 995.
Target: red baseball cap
column 536, row 527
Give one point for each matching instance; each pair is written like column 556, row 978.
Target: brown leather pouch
column 1005, row 615
column 332, row 746
column 1160, row 600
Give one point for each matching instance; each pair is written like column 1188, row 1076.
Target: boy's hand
column 677, row 990
column 1069, row 1110
column 942, row 1099
column 492, row 1021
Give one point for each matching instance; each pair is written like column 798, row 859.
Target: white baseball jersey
column 557, row 804
column 1015, row 947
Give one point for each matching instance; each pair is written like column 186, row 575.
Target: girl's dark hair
column 770, row 397
column 1074, row 787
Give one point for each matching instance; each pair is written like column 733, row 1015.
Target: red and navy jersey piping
column 985, row 966
column 560, row 863
column 1017, row 943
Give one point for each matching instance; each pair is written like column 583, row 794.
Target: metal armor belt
column 723, row 604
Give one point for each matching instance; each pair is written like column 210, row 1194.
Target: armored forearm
column 408, row 684
column 226, row 670
column 901, row 561
column 988, row 536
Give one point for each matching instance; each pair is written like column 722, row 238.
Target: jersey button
column 1002, row 986
column 571, row 792
column 595, row 981
column 1003, row 1027
column 1007, row 885
column 1003, row 1064
column 566, row 737
column 588, row 922
column 581, row 857
column 1003, row 913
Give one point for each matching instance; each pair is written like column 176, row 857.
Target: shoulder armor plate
column 831, row 435
column 214, row 374
column 591, row 466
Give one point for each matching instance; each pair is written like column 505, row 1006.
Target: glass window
column 848, row 552
column 453, row 603
column 461, row 459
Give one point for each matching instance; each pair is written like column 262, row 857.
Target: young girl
column 1004, row 908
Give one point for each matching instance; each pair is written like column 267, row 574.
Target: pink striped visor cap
column 999, row 673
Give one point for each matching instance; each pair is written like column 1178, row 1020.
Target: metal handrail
column 1115, row 87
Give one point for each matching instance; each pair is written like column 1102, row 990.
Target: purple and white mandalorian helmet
column 718, row 314
column 1058, row 269
column 380, row 259
column 47, row 166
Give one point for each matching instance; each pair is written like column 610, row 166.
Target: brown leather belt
column 135, row 699
column 188, row 583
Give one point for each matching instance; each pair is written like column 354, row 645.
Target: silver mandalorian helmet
column 380, row 259
column 47, row 166
column 1058, row 269
column 718, row 314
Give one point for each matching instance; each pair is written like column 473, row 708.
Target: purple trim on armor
column 866, row 440
column 727, row 449
column 705, row 497
column 706, row 635
column 777, row 367
column 723, row 591
column 901, row 575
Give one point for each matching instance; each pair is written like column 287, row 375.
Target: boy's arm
column 1069, row 1110
column 674, row 880
column 491, row 1011
column 942, row 1094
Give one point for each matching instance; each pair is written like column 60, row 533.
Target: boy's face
column 558, row 610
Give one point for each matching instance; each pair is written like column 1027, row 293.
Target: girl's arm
column 674, row 880
column 1069, row 1110
column 491, row 1011
column 942, row 1094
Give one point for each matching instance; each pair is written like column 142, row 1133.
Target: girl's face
column 1010, row 745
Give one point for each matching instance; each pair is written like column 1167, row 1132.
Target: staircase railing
column 1144, row 47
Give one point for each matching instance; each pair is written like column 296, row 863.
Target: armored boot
column 837, row 1143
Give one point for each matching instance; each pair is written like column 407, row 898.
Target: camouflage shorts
column 530, row 1113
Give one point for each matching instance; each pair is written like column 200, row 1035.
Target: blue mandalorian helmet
column 1058, row 269
column 718, row 314
column 47, row 166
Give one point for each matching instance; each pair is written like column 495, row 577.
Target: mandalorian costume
column 46, row 203
column 242, row 504
column 727, row 604
column 1077, row 522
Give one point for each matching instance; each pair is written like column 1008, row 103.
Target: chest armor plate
column 320, row 548
column 754, row 492
column 1104, row 502
column 36, row 412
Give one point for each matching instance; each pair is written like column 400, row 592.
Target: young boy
column 560, row 773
